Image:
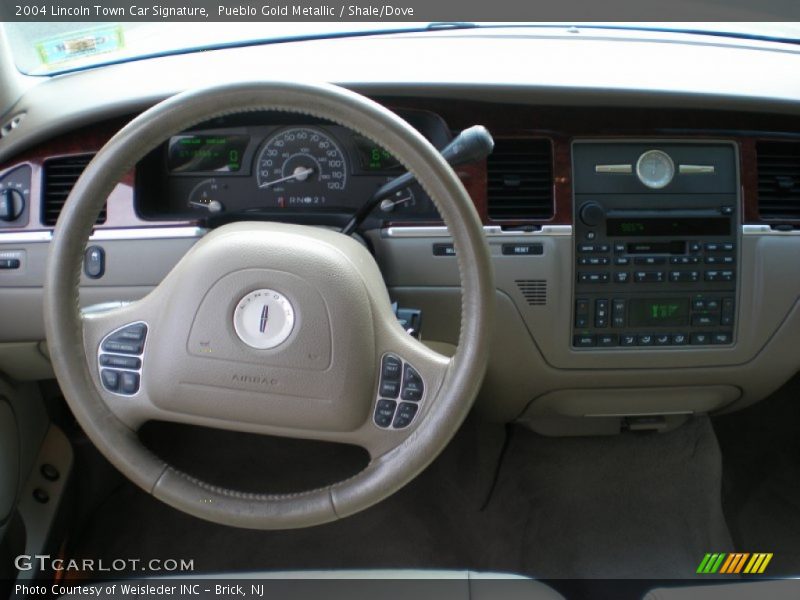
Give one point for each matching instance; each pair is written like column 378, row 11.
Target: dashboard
column 277, row 166
column 644, row 231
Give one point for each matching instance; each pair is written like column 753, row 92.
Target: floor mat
column 761, row 459
column 623, row 506
column 635, row 505
column 425, row 525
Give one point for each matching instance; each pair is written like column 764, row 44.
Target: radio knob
column 592, row 214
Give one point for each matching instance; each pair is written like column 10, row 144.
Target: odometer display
column 206, row 153
column 302, row 166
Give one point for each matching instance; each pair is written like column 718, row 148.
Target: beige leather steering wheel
column 267, row 328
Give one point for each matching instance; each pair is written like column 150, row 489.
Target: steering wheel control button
column 110, row 379
column 398, row 378
column 120, row 362
column 120, row 359
column 122, row 346
column 129, row 382
column 264, row 319
column 405, row 414
column 391, row 368
column 390, row 389
column 413, row 387
column 384, row 412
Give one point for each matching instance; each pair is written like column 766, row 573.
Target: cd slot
column 656, row 248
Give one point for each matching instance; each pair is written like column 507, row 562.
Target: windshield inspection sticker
column 79, row 44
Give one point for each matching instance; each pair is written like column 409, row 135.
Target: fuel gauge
column 206, row 196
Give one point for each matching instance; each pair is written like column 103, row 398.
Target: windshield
column 49, row 48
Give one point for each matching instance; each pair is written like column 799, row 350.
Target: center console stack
column 656, row 244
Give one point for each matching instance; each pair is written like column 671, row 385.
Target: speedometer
column 302, row 166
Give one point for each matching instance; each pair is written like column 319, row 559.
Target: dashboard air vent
column 520, row 179
column 533, row 290
column 60, row 175
column 779, row 180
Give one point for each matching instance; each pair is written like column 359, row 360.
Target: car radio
column 656, row 244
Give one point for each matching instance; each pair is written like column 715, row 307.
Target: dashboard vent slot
column 779, row 180
column 60, row 175
column 520, row 179
column 533, row 290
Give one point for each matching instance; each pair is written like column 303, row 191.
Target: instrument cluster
column 263, row 166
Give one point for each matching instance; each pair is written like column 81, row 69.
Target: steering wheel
column 267, row 328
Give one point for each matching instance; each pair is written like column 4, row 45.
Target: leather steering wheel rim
column 71, row 347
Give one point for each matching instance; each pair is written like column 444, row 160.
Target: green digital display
column 373, row 157
column 206, row 153
column 665, row 226
column 660, row 312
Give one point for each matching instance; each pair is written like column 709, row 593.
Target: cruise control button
column 405, row 414
column 390, row 389
column 122, row 347
column 129, row 382
column 120, row 362
column 131, row 332
column 384, row 412
column 110, row 379
column 391, row 368
column 413, row 387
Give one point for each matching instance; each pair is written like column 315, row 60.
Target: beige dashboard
column 536, row 374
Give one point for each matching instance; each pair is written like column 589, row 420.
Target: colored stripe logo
column 734, row 563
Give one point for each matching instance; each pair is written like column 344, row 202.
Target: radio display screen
column 658, row 312
column 655, row 226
